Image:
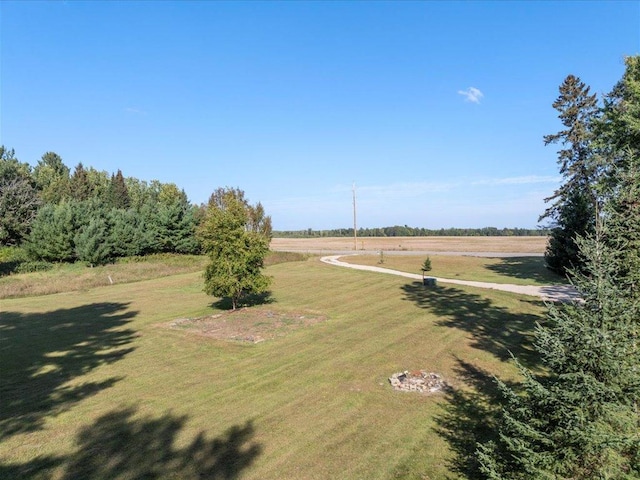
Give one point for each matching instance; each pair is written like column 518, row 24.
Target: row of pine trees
column 87, row 215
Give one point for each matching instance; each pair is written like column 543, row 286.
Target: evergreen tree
column 130, row 235
column 620, row 132
column 580, row 420
column 577, row 197
column 118, row 193
column 80, row 187
column 52, row 233
column 93, row 242
column 619, row 127
column 236, row 246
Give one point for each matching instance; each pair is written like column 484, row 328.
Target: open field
column 94, row 385
column 529, row 245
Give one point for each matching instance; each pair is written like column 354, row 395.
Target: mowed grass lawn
column 515, row 270
column 94, row 386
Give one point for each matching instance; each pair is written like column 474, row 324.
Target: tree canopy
column 236, row 236
column 578, row 419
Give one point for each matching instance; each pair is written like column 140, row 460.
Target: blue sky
column 436, row 110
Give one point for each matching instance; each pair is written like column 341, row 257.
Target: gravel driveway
column 549, row 293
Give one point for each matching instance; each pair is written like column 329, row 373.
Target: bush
column 10, row 259
column 33, row 266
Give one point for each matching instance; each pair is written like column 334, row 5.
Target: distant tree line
column 406, row 231
column 87, row 215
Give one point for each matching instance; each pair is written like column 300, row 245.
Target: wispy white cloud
column 135, row 111
column 524, row 180
column 471, row 94
column 400, row 190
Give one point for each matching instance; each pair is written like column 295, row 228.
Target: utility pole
column 355, row 228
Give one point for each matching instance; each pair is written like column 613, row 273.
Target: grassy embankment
column 95, row 386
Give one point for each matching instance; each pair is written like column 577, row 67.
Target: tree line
column 54, row 215
column 406, row 231
column 87, row 215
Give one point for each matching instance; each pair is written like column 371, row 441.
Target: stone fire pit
column 418, row 381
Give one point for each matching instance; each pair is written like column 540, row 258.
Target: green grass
column 514, row 270
column 93, row 387
column 68, row 277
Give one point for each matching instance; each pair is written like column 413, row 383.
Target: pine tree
column 79, row 186
column 580, row 419
column 93, row 242
column 576, row 198
column 118, row 193
column 52, row 233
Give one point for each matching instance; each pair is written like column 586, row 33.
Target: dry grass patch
column 78, row 277
column 252, row 325
column 65, row 277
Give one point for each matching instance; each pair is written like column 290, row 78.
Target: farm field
column 529, row 245
column 105, row 383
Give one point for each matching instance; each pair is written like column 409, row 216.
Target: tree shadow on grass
column 527, row 268
column 469, row 417
column 492, row 328
column 40, row 353
column 250, row 300
column 121, row 445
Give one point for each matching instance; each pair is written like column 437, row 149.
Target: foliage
column 79, row 186
column 576, row 202
column 52, row 233
column 118, row 195
column 33, row 266
column 52, row 178
column 580, row 420
column 11, row 167
column 426, row 265
column 174, row 222
column 18, row 198
column 19, row 204
column 406, row 231
column 11, row 258
column 236, row 237
column 92, row 242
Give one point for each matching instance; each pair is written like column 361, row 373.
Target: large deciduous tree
column 52, row 178
column 236, row 237
column 19, row 199
column 573, row 209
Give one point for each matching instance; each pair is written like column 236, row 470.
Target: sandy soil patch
column 252, row 325
column 430, row 244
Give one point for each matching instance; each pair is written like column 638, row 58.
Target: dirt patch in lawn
column 252, row 325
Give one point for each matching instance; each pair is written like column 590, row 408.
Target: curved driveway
column 550, row 293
